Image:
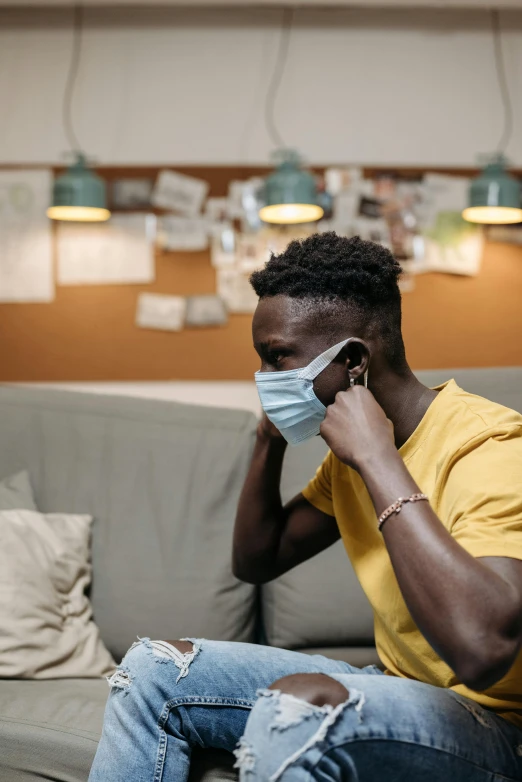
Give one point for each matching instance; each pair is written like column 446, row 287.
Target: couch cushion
column 500, row 384
column 50, row 730
column 162, row 481
column 46, row 623
column 320, row 603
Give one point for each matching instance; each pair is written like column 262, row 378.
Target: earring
column 352, row 382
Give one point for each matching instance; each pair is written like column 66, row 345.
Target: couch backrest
column 162, row 481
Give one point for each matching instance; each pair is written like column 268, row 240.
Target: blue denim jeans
column 164, row 703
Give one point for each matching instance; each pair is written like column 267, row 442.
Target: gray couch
column 162, row 481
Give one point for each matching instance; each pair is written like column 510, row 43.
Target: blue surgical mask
column 289, row 401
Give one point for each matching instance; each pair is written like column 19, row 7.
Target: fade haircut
column 331, row 274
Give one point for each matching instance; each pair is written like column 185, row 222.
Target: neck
column 404, row 400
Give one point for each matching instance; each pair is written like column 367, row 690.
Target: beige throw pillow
column 46, row 625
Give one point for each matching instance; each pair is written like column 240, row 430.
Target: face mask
column 289, row 401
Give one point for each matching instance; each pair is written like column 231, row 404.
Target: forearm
column 465, row 610
column 260, row 515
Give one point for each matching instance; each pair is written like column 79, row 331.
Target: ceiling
column 418, row 4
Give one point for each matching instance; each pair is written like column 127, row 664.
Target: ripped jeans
column 163, row 703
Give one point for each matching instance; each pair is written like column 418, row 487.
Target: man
column 425, row 489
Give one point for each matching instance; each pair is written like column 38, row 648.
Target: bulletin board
column 88, row 333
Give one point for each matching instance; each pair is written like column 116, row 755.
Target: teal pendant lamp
column 79, row 194
column 290, row 193
column 494, row 196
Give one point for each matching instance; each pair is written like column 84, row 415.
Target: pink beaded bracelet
column 397, row 506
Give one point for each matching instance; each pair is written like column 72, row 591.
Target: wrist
column 373, row 459
column 271, row 439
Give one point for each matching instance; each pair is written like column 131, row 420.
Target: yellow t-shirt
column 466, row 455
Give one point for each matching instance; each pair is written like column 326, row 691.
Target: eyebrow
column 274, row 344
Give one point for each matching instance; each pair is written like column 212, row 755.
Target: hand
column 266, row 429
column 356, row 428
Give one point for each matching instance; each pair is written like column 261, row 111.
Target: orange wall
column 454, row 321
column 88, row 332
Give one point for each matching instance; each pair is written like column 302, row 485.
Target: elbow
column 490, row 653
column 248, row 572
column 481, row 671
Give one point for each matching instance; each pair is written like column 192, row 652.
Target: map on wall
column 26, row 268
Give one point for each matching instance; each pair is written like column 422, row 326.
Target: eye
column 275, row 357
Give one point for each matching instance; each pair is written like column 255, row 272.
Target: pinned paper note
column 234, row 288
column 157, row 311
column 181, row 193
column 26, row 269
column 453, row 246
column 205, row 311
column 217, row 210
column 339, row 179
column 131, row 193
column 183, row 233
column 252, row 252
column 119, row 251
column 223, row 250
column 441, row 193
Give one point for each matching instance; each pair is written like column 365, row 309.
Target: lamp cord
column 277, row 76
column 72, row 74
column 500, row 67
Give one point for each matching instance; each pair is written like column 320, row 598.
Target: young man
column 425, row 489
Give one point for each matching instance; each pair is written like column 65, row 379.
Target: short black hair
column 327, row 268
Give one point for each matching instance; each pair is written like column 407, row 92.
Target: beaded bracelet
column 397, row 506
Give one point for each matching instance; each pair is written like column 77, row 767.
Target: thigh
column 388, row 730
column 230, row 669
column 205, row 695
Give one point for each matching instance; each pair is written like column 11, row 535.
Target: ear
column 357, row 357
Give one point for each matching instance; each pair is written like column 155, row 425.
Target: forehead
column 284, row 319
column 279, row 317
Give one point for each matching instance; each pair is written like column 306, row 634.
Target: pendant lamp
column 79, row 195
column 494, row 196
column 290, row 193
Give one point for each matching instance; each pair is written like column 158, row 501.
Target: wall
column 88, row 332
column 157, row 85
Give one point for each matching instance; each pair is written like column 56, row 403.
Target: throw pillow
column 46, row 625
column 16, row 492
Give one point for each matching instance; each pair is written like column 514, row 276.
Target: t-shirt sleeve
column 319, row 490
column 483, row 499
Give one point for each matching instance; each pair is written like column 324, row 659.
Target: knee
column 140, row 667
column 316, row 688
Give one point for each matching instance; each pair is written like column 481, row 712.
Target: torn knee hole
column 182, row 653
column 290, row 711
column 121, row 679
column 317, row 689
column 181, row 646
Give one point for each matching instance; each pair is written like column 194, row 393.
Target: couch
column 162, row 481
